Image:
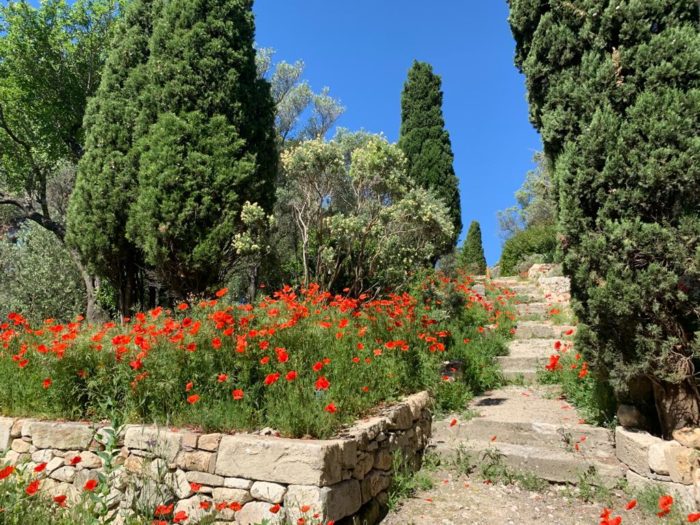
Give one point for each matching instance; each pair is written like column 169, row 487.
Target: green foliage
column 471, row 256
column 39, row 278
column 615, row 93
column 361, row 223
column 540, row 241
column 406, row 481
column 426, row 143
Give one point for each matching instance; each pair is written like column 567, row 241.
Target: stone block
column 688, row 437
column 5, row 432
column 257, row 512
column 632, row 448
column 681, row 461
column 193, row 508
column 179, row 483
column 197, row 460
column 209, row 442
column 331, row 503
column 158, row 441
column 400, row 417
column 270, row 492
column 417, row 403
column 682, row 493
column 63, row 436
column 374, row 483
column 230, row 495
column 657, row 457
column 65, row 474
column 203, row 478
column 238, row 483
column 20, row 446
column 309, row 462
column 383, row 460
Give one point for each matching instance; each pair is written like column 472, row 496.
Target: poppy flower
column 5, row 472
column 322, row 383
column 180, row 515
column 40, row 467
column 46, row 383
column 33, row 487
column 237, row 394
column 205, row 505
column 216, row 343
column 631, row 504
column 163, row 510
column 317, row 366
column 193, row 399
column 695, row 516
column 221, row 293
column 331, row 408
column 222, row 378
column 75, row 460
column 195, row 486
column 235, row 506
column 271, row 378
column 282, row 355
column 305, row 508
column 90, row 485
column 453, row 422
column 189, row 386
column 275, row 508
column 291, row 375
column 60, row 500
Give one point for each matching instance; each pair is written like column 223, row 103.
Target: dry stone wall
column 242, row 478
column 673, row 465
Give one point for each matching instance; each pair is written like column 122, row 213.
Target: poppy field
column 303, row 362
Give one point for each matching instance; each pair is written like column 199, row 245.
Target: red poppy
column 60, row 500
column 90, row 485
column 317, row 366
column 695, row 516
column 272, row 378
column 189, row 386
column 33, row 487
column 180, row 516
column 195, row 486
column 275, row 508
column 216, row 343
column 237, row 394
column 235, row 506
column 222, row 292
column 331, row 408
column 75, row 460
column 631, row 504
column 193, row 399
column 205, row 504
column 163, row 510
column 40, row 467
column 453, row 422
column 291, row 375
column 46, row 383
column 282, row 355
column 222, row 378
column 322, row 383
column 5, row 472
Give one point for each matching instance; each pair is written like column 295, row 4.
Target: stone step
column 533, row 347
column 540, row 330
column 592, row 441
column 552, row 465
column 517, row 375
column 532, row 309
column 529, row 363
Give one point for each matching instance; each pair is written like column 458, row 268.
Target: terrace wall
column 339, row 478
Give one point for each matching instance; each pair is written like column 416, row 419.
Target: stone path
column 527, row 427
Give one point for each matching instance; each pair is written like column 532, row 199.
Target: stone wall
column 556, row 289
column 249, row 477
column 672, row 465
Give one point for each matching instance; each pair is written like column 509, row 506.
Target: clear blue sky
column 362, row 50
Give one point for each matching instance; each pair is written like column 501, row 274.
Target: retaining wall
column 249, row 477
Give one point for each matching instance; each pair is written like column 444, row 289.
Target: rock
column 258, row 512
column 20, row 446
column 331, row 503
column 688, row 437
column 209, row 442
column 65, row 474
column 158, row 441
column 199, row 460
column 696, row 487
column 230, row 495
column 682, row 493
column 6, row 424
column 189, row 440
column 87, row 459
column 157, row 469
column 632, row 448
column 383, row 460
column 364, row 464
column 401, row 417
column 681, row 461
column 14, row 458
column 82, row 476
column 211, row 480
column 179, row 483
column 63, row 436
column 270, row 492
column 42, row 456
column 630, row 417
column 374, row 483
column 134, row 464
column 657, row 457
column 54, row 464
column 311, row 462
column 238, row 483
column 193, row 508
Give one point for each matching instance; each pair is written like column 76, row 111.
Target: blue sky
column 362, row 50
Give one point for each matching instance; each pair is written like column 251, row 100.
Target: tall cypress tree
column 615, row 92
column 107, row 173
column 425, row 141
column 211, row 143
column 471, row 257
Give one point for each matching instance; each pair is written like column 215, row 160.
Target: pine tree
column 425, row 141
column 614, row 90
column 471, row 256
column 211, row 145
column 107, row 173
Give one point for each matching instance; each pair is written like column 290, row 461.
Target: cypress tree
column 106, row 181
column 211, row 143
column 614, row 90
column 471, row 257
column 425, row 141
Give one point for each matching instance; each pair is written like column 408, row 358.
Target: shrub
column 536, row 240
column 302, row 362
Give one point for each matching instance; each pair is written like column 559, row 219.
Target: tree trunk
column 93, row 312
column 677, row 405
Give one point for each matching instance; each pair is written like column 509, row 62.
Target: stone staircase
column 529, row 425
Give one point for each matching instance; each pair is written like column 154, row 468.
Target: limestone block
column 134, row 464
column 189, row 440
column 383, row 460
column 681, row 461
column 82, row 476
column 193, row 508
column 683, row 493
column 209, row 442
column 257, row 512
column 198, row 460
column 657, row 457
column 401, row 417
column 374, row 483
column 270, row 492
column 42, row 456
column 158, row 441
column 632, row 448
column 54, row 464
column 365, row 462
column 331, row 503
column 688, row 437
column 238, row 483
column 65, row 474
column 20, row 446
column 203, row 478
column 231, row 495
column 63, row 436
column 5, row 432
column 311, row 462
column 418, row 402
column 179, row 483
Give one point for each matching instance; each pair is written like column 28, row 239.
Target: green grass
column 492, row 468
column 406, row 481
